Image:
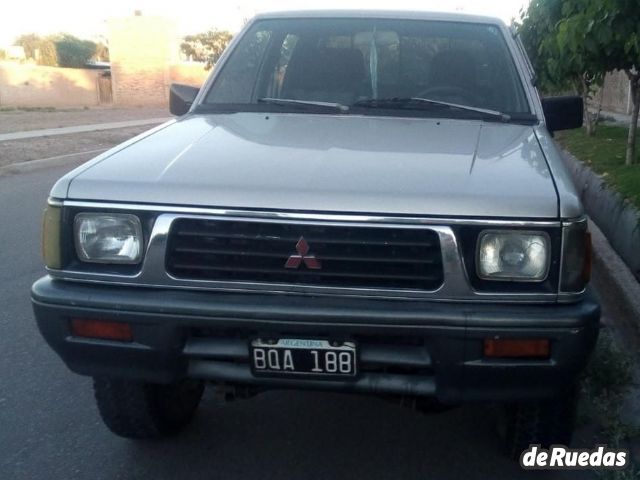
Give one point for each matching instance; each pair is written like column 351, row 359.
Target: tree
column 206, row 47
column 562, row 59
column 73, row 52
column 42, row 50
column 584, row 64
column 30, row 43
column 102, row 52
column 609, row 29
column 47, row 54
column 537, row 23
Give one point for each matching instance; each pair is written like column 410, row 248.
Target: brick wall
column 141, row 50
column 189, row 73
column 616, row 93
column 29, row 85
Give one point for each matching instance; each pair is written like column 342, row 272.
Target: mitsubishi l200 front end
column 354, row 201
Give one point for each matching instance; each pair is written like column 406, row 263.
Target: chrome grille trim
column 347, row 255
column 260, row 215
column 456, row 287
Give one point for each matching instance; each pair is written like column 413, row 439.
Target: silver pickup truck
column 366, row 202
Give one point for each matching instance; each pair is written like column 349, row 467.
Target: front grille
column 349, row 256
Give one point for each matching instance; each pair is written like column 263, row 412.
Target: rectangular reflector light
column 101, row 329
column 516, row 348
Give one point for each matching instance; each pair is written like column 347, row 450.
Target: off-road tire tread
column 135, row 409
column 543, row 423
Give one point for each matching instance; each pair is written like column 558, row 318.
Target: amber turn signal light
column 51, row 240
column 516, row 348
column 101, row 329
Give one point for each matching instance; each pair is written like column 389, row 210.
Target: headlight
column 513, row 255
column 108, row 238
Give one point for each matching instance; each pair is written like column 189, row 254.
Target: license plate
column 293, row 356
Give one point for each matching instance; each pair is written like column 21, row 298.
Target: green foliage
column 575, row 37
column 206, row 47
column 42, row 50
column 102, row 52
column 73, row 52
column 606, row 382
column 566, row 38
column 609, row 371
column 609, row 30
column 605, row 154
column 562, row 45
column 62, row 50
column 575, row 42
column 30, row 43
column 47, row 54
column 632, row 472
column 536, row 30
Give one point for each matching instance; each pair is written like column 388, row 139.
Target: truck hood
column 327, row 163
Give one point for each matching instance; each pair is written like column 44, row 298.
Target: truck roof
column 389, row 14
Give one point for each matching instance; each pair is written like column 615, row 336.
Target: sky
column 86, row 19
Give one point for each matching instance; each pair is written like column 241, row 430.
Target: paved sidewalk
column 81, row 129
column 21, row 120
column 28, row 153
column 613, row 118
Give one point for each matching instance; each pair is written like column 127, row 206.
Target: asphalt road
column 49, row 425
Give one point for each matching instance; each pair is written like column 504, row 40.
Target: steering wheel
column 445, row 93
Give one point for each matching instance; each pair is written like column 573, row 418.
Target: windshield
column 353, row 61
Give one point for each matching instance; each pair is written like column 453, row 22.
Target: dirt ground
column 18, row 151
column 23, row 120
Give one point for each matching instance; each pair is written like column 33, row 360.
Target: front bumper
column 406, row 347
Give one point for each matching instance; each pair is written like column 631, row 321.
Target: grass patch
column 605, row 382
column 605, row 154
column 630, row 473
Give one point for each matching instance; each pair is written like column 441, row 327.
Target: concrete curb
column 621, row 284
column 615, row 281
column 57, row 161
column 81, row 129
column 615, row 231
column 618, row 219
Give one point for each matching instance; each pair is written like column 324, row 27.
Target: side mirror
column 563, row 113
column 181, row 97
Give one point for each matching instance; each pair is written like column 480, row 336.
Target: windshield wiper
column 289, row 101
column 408, row 102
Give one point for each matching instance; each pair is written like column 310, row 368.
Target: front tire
column 544, row 423
column 141, row 410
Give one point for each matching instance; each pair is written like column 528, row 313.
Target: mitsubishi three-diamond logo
column 302, row 256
